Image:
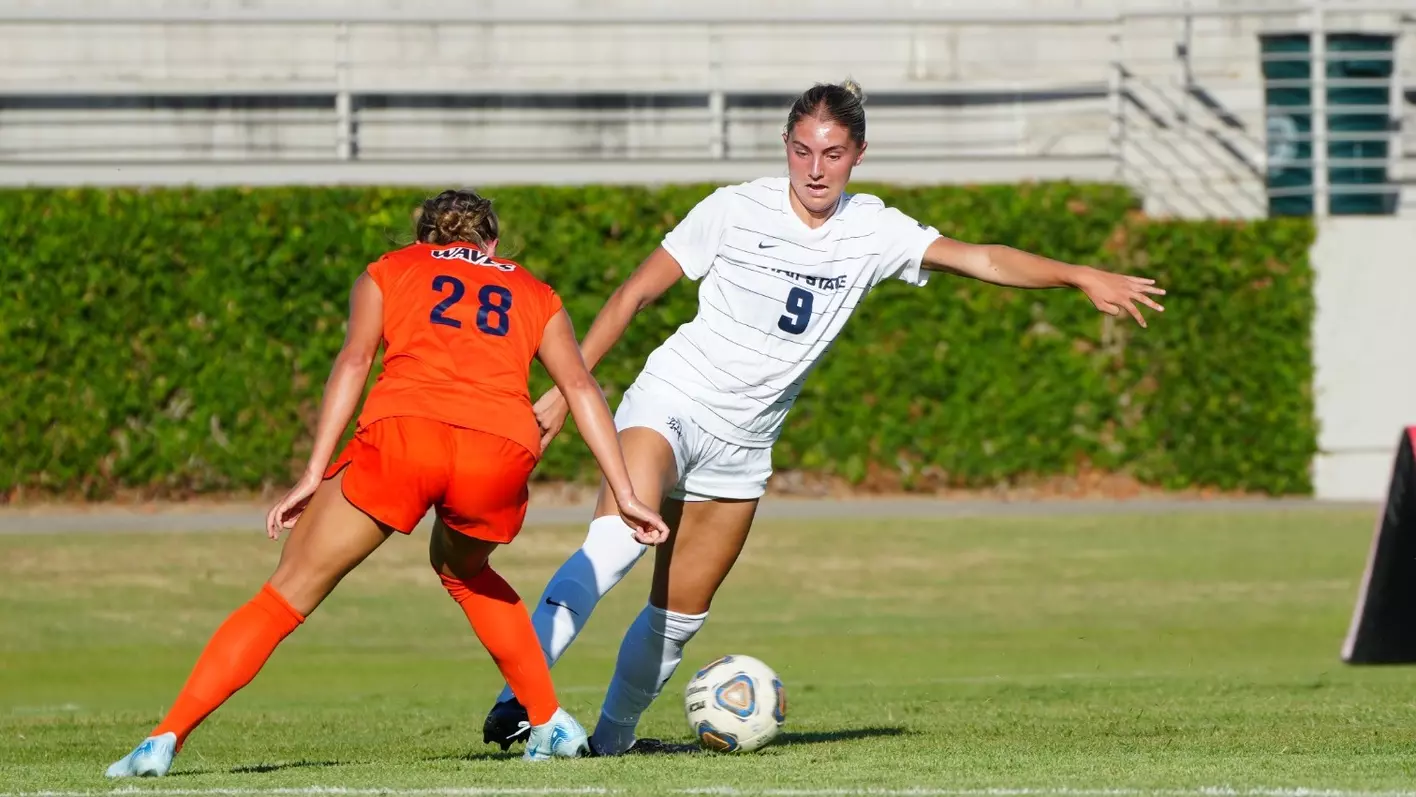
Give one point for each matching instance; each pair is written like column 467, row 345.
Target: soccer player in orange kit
column 448, row 425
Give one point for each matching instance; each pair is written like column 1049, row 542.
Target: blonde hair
column 453, row 216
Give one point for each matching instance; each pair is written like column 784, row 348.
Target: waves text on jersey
column 471, row 255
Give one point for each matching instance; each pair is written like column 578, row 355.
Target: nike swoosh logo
column 550, row 602
column 761, row 245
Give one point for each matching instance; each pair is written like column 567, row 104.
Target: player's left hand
column 285, row 513
column 648, row 527
column 551, row 411
column 1113, row 293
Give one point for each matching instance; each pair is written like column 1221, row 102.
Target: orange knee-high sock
column 501, row 621
column 236, row 652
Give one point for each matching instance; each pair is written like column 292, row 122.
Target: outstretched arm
column 345, row 385
column 1004, row 265
column 655, row 275
column 564, row 363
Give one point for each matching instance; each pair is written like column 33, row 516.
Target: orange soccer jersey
column 460, row 331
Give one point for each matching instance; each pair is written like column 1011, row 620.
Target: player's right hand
column 284, row 514
column 551, row 411
column 1114, row 294
column 649, row 528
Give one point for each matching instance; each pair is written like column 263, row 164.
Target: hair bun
column 450, row 221
column 853, row 88
column 457, row 216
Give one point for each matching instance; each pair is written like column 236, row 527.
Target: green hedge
column 176, row 341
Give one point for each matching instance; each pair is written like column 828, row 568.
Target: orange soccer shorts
column 401, row 466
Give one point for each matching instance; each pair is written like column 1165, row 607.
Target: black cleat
column 506, row 724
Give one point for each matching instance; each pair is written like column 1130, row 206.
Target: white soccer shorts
column 708, row 467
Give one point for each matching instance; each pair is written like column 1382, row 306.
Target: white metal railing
column 685, row 15
column 713, row 58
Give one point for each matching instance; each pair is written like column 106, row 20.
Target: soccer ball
column 735, row 704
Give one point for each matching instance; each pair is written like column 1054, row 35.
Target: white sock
column 651, row 651
column 606, row 556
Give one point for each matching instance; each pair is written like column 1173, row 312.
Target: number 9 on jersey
column 798, row 311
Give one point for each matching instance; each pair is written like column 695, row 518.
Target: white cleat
column 151, row 759
column 562, row 737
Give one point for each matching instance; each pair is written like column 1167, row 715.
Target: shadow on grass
column 785, row 739
column 849, row 734
column 496, row 755
column 256, row 769
column 277, row 767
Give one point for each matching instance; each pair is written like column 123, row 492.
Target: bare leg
column 688, row 569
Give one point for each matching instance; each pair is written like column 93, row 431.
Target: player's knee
column 454, row 554
column 301, row 587
column 682, row 597
column 687, row 605
column 678, row 627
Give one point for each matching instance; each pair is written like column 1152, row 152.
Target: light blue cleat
column 562, row 736
column 151, row 759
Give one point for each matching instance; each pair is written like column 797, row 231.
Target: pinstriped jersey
column 773, row 296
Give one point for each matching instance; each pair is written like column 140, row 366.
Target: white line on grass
column 716, row 791
column 926, row 791
column 61, row 709
column 1044, row 792
column 315, row 791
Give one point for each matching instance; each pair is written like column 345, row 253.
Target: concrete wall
column 142, row 96
column 69, row 58
column 1364, row 347
column 608, row 55
column 801, row 7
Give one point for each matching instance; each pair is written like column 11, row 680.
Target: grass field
column 1119, row 654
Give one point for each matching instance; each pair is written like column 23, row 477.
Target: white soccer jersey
column 774, row 294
